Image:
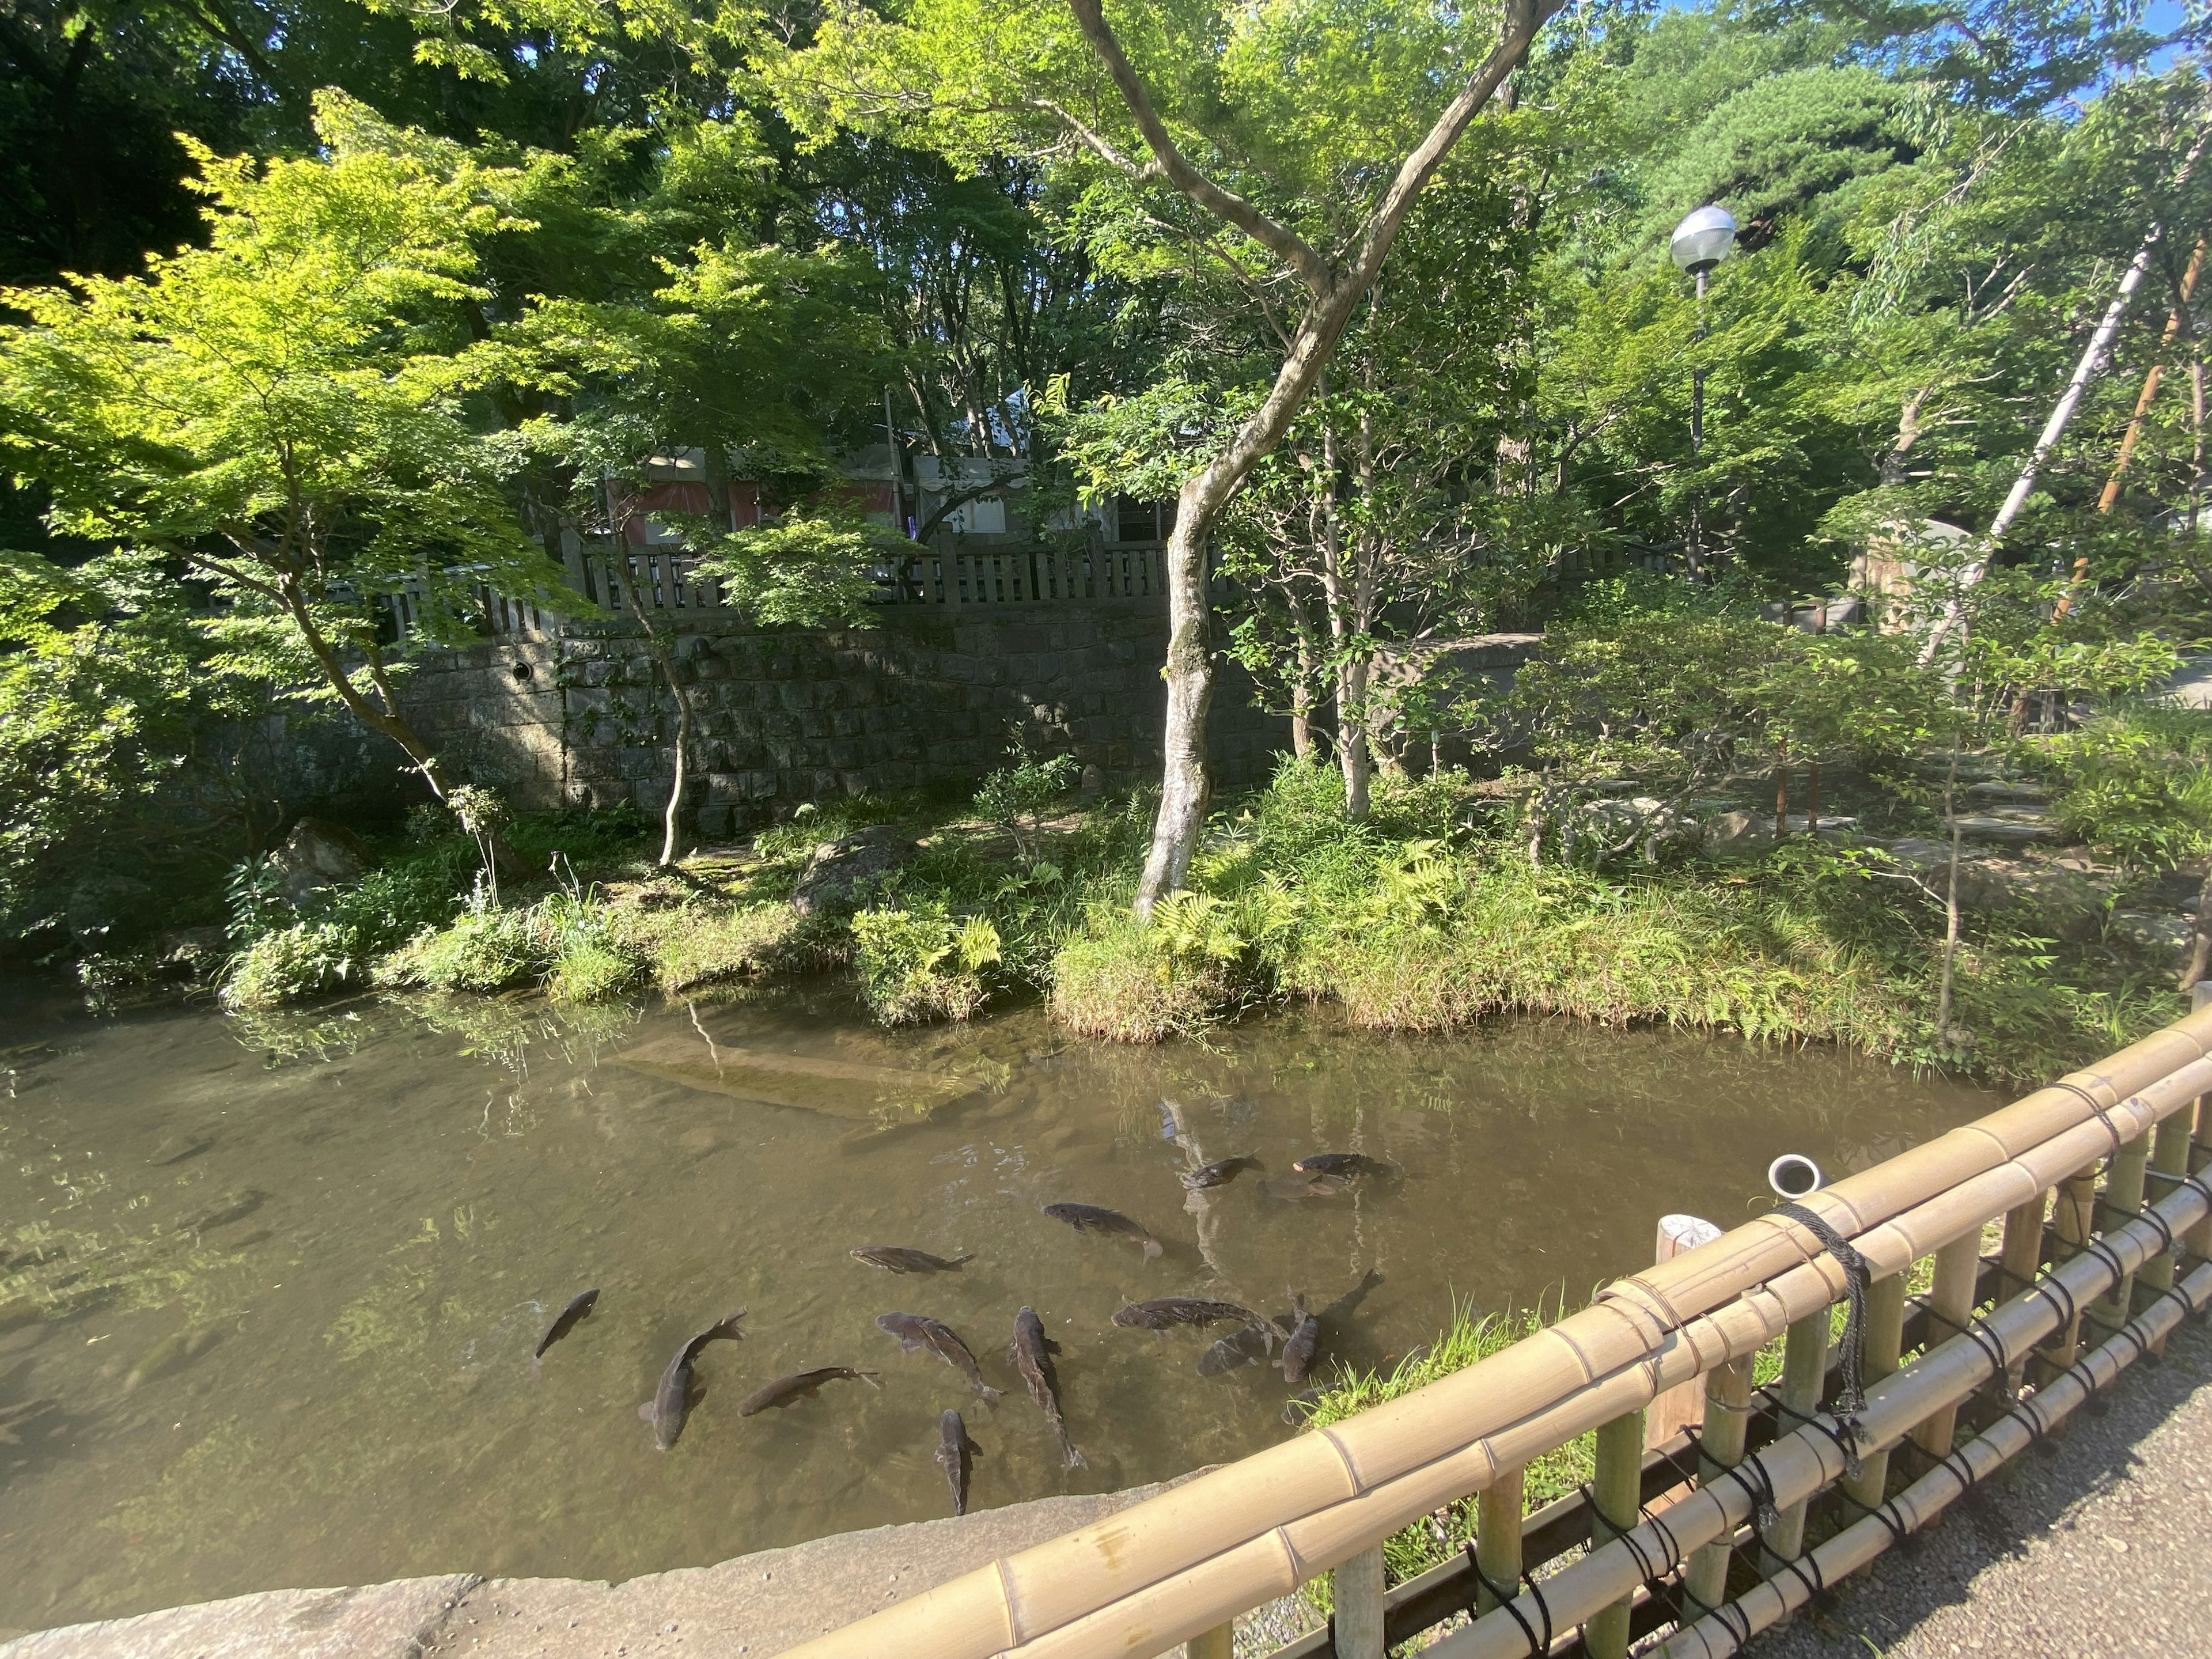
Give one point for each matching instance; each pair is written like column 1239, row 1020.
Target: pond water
column 268, row 1290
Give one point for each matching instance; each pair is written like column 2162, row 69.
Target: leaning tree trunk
column 1353, row 744
column 667, row 663
column 1335, row 287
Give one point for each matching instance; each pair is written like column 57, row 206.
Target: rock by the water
column 2015, row 828
column 839, row 866
column 1733, row 835
column 316, row 855
column 2163, row 935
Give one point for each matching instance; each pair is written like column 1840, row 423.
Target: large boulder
column 1738, row 835
column 318, row 855
column 837, row 868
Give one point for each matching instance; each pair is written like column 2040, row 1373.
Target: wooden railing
column 1707, row 1534
column 961, row 574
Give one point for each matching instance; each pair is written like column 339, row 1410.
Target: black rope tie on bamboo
column 1888, row 1514
column 1504, row 1595
column 1759, row 1493
column 1850, row 1395
column 2104, row 1113
column 1992, row 1346
column 1734, row 1619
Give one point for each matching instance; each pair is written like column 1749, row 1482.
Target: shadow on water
column 269, row 1291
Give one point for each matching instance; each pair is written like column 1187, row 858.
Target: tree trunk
column 1950, row 905
column 1335, row 287
column 1782, row 789
column 2200, row 935
column 671, row 819
column 1354, row 752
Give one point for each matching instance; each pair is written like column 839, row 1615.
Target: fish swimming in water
column 1298, row 1351
column 898, row 1259
column 1345, row 1306
column 917, row 1331
column 1184, row 1310
column 1220, row 1174
column 954, row 1449
column 1295, row 1188
column 1092, row 1218
column 1247, row 1347
column 237, row 1209
column 802, row 1385
column 667, row 1408
column 1342, row 1166
column 565, row 1321
column 1031, row 1356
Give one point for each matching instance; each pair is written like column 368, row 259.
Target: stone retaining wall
column 785, row 716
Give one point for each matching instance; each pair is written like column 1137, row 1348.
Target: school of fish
column 1300, row 1334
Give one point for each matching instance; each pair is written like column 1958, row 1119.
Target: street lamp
column 1701, row 241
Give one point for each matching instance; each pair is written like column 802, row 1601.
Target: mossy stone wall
column 580, row 716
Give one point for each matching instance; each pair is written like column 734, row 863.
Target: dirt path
column 2100, row 1545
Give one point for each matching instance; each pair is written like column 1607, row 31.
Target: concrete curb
column 755, row 1605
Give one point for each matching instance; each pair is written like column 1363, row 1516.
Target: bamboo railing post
column 1356, row 1588
column 1804, row 1375
column 1616, row 1500
column 1951, row 1299
column 1884, row 1345
column 2069, row 1223
column 1720, row 1446
column 2198, row 1241
column 2123, row 1195
column 1219, row 1642
column 1497, row 1534
column 2169, row 1157
column 2022, row 1257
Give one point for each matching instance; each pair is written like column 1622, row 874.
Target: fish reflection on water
column 414, row 1252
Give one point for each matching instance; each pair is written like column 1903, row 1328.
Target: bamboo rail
column 1183, row 1565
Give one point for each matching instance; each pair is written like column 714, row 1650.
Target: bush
column 919, row 965
column 284, row 964
column 697, row 945
column 1016, row 798
column 483, row 949
column 1117, row 981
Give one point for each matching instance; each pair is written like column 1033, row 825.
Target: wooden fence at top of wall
column 2100, row 1189
column 664, row 582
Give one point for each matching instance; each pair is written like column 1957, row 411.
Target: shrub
column 697, row 945
column 921, row 964
column 283, row 965
column 1015, row 797
column 483, row 949
column 1117, row 980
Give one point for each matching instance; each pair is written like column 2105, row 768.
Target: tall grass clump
column 1471, row 1337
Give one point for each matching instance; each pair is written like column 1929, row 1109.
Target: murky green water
column 268, row 1293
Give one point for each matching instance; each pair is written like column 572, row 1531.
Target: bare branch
column 1281, row 239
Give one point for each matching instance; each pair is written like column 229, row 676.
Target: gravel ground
column 2101, row 1545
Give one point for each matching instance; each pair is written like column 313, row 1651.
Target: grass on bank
column 1428, row 917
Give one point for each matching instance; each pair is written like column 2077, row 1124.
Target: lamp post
column 1701, row 241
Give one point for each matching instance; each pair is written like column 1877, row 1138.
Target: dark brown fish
column 1244, row 1347
column 565, row 1321
column 1295, row 1188
column 1183, row 1310
column 954, row 1449
column 1299, row 1406
column 237, row 1209
column 671, row 1401
column 1298, row 1351
column 1333, row 1316
column 898, row 1259
column 917, row 1331
column 1031, row 1356
column 802, row 1385
column 1220, row 1174
column 1343, row 1166
column 1090, row 1218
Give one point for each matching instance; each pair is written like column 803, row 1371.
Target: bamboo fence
column 2099, row 1182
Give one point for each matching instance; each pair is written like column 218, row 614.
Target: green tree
column 280, row 417
column 1288, row 140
